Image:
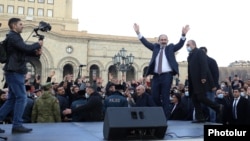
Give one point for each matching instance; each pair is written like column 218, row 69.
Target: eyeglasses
column 188, row 45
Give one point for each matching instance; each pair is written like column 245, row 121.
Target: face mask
column 220, row 96
column 171, row 98
column 86, row 95
column 186, row 93
column 189, row 49
column 131, row 92
column 242, row 94
column 222, row 85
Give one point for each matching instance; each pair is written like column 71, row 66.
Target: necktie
column 235, row 109
column 173, row 108
column 160, row 61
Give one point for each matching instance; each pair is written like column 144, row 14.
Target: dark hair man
column 15, row 70
column 163, row 66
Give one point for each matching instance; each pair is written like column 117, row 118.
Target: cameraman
column 15, row 70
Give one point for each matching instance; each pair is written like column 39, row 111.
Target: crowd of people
column 79, row 100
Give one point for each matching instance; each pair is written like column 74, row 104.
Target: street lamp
column 122, row 62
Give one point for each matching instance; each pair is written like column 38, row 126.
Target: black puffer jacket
column 17, row 50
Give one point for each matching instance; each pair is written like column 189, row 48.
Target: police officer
column 116, row 98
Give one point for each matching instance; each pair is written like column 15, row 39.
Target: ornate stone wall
column 85, row 48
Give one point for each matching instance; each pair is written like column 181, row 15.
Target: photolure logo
column 240, row 132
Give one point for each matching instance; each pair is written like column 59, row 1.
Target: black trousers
column 200, row 98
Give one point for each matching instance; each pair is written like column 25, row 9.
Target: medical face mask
column 86, row 95
column 242, row 94
column 220, row 96
column 189, row 49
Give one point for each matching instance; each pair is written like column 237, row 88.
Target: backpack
column 3, row 51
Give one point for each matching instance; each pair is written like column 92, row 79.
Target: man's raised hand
column 185, row 29
column 136, row 28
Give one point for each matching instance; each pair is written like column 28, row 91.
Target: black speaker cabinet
column 129, row 123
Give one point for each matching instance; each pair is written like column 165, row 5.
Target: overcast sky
column 223, row 26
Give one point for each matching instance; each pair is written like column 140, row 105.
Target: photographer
column 15, row 70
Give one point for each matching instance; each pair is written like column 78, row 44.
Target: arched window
column 67, row 69
column 145, row 71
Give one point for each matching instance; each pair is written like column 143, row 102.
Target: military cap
column 47, row 86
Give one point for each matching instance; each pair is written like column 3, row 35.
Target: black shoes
column 21, row 129
column 1, row 130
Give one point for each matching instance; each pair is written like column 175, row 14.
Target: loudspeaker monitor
column 128, row 123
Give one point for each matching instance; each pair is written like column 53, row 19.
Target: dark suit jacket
column 248, row 111
column 169, row 51
column 145, row 100
column 242, row 111
column 198, row 69
column 179, row 112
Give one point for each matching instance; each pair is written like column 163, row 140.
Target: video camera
column 44, row 27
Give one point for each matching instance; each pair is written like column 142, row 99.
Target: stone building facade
column 65, row 48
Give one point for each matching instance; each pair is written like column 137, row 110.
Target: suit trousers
column 160, row 89
column 200, row 98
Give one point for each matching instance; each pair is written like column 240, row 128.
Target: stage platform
column 93, row 131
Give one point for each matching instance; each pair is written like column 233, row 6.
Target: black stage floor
column 93, row 131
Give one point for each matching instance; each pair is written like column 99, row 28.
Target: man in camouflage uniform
column 46, row 107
